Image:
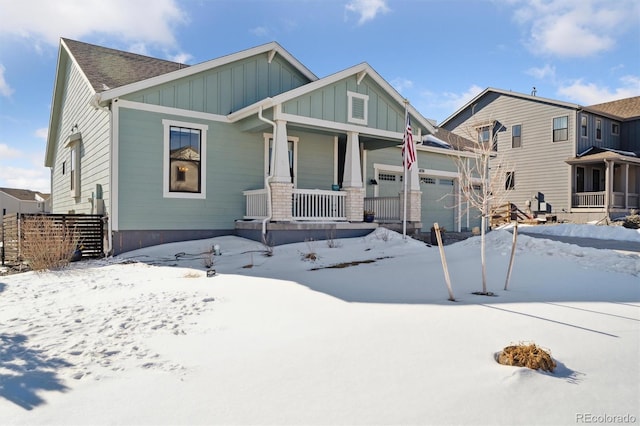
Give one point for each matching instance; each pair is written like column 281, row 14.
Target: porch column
column 352, row 179
column 607, row 186
column 281, row 185
column 626, row 186
column 280, row 154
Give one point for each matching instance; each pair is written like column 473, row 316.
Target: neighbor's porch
column 606, row 182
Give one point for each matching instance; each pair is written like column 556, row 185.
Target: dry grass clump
column 47, row 244
column 527, row 355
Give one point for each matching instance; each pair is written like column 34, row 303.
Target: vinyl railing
column 385, row 208
column 588, row 199
column 255, row 204
column 317, row 204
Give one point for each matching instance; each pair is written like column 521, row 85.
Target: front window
column 598, row 129
column 484, row 137
column 561, row 128
column 184, row 170
column 516, row 136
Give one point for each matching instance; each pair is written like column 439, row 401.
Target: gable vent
column 358, row 107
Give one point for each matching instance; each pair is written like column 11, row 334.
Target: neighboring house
column 251, row 144
column 14, row 200
column 561, row 159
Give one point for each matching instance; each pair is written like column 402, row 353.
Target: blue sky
column 437, row 53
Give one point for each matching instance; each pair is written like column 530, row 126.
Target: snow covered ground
column 363, row 334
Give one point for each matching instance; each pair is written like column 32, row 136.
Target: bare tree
column 485, row 180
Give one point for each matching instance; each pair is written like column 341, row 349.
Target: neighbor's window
column 615, row 128
column 510, row 180
column 358, row 107
column 516, row 136
column 184, row 159
column 561, row 128
column 583, row 126
column 598, row 129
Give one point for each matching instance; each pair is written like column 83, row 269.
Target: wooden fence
column 88, row 228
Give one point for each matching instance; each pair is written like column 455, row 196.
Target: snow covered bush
column 47, row 244
column 632, row 221
column 527, row 355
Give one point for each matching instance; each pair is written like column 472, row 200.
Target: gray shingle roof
column 24, row 194
column 109, row 68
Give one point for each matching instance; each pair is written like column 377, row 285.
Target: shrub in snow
column 527, row 355
column 632, row 221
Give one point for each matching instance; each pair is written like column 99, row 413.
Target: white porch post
column 607, row 186
column 352, row 172
column 352, row 179
column 626, row 186
column 414, row 200
column 280, row 152
column 281, row 185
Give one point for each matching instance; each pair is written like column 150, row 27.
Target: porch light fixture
column 183, row 169
column 373, row 182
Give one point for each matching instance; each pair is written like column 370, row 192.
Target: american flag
column 410, row 157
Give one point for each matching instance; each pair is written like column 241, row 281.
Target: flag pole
column 404, row 164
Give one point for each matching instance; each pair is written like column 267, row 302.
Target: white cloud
column 575, row 28
column 586, row 93
column 42, row 133
column 455, row 101
column 260, row 31
column 5, row 89
column 367, row 9
column 6, row 152
column 46, row 21
column 548, row 71
column 401, row 84
column 181, row 58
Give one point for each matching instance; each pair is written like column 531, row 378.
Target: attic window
column 358, row 108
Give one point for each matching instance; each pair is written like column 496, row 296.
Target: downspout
column 267, row 179
column 95, row 102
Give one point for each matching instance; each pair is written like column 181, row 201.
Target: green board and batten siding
column 93, row 124
column 227, row 88
column 330, row 103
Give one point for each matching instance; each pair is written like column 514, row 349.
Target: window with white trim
column 184, row 159
column 598, row 129
column 72, row 168
column 358, row 108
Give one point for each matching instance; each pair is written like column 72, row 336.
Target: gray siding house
column 252, row 144
column 564, row 160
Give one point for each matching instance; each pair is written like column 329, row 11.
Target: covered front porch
column 323, row 210
column 605, row 181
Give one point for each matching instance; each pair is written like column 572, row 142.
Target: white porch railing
column 588, row 199
column 307, row 204
column 255, row 204
column 317, row 204
column 385, row 208
column 596, row 199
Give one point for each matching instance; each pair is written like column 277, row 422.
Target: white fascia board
column 123, row 103
column 108, row 95
column 340, row 127
column 333, row 78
